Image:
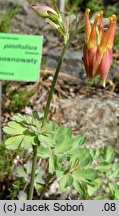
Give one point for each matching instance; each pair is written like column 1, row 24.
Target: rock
column 96, row 117
column 26, row 21
column 72, row 64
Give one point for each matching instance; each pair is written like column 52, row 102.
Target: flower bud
column 44, row 11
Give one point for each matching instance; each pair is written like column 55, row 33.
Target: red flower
column 98, row 46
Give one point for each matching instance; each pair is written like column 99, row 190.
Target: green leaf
column 114, row 191
column 84, row 174
column 79, row 140
column 52, row 163
column 44, row 152
column 100, row 198
column 109, row 154
column 94, row 187
column 65, row 182
column 28, row 141
column 14, row 128
column 38, row 188
column 59, row 173
column 18, row 118
column 46, row 141
column 49, row 128
column 63, row 145
column 22, row 195
column 116, row 197
column 36, row 120
column 104, row 166
column 20, row 172
column 14, row 142
column 39, row 177
column 95, row 153
column 62, row 132
column 114, row 172
column 35, row 115
column 26, row 119
column 23, row 119
column 77, row 185
column 28, row 167
column 84, row 157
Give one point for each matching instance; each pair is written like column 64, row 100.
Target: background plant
column 7, row 18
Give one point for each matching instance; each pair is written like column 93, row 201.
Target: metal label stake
column 61, row 5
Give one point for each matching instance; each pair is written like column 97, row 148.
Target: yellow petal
column 108, row 36
column 87, row 25
column 93, row 35
column 101, row 25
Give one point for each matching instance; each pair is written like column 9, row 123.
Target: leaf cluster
column 69, row 160
column 108, row 170
column 74, row 165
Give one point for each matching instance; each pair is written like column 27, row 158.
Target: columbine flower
column 98, row 46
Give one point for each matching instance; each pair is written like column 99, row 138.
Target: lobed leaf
column 82, row 174
column 94, row 187
column 52, row 163
column 84, row 157
column 28, row 141
column 63, row 145
column 46, row 141
column 20, row 172
column 79, row 188
column 14, row 128
column 44, row 152
column 65, row 181
column 104, row 166
column 14, row 142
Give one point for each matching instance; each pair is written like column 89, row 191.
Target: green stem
column 57, row 73
column 53, row 85
column 55, row 6
column 34, row 164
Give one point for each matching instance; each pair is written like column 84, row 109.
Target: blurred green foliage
column 116, row 42
column 108, row 170
column 5, row 162
column 16, row 98
column 19, row 98
column 106, row 164
column 7, row 18
column 109, row 7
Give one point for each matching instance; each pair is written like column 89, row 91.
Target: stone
column 97, row 118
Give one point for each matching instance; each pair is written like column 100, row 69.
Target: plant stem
column 55, row 6
column 53, row 84
column 57, row 73
column 34, row 164
column 66, row 45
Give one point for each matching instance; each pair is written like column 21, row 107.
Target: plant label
column 20, row 57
